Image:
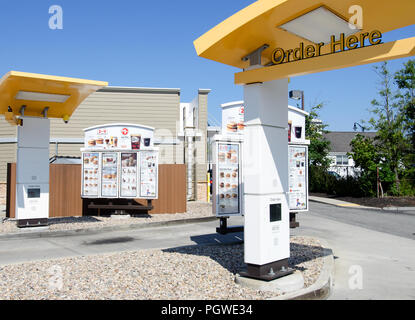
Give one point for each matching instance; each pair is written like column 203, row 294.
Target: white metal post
column 32, row 172
column 265, row 167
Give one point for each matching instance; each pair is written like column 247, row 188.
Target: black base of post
column 30, row 223
column 224, row 229
column 293, row 223
column 269, row 271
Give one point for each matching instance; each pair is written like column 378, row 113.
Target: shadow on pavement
column 109, row 241
column 228, row 251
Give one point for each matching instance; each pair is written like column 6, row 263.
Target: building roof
column 65, row 160
column 139, row 90
column 213, row 128
column 340, row 140
column 295, row 109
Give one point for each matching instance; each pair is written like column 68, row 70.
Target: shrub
column 320, row 181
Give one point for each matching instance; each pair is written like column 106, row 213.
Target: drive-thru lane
column 29, row 249
column 374, row 250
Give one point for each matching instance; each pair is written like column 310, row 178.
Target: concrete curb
column 96, row 230
column 340, row 206
column 397, row 210
column 320, row 289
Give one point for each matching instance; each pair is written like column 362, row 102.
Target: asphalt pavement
column 34, row 248
column 374, row 250
column 399, row 223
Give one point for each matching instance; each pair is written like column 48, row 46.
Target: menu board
column 128, row 178
column 298, row 193
column 148, row 174
column 109, row 175
column 129, row 175
column 228, row 179
column 90, row 174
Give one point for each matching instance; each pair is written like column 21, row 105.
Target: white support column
column 265, row 167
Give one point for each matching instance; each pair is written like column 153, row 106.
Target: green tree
column 318, row 150
column 319, row 146
column 389, row 124
column 364, row 153
column 368, row 158
column 405, row 80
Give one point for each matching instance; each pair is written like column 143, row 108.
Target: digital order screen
column 33, row 193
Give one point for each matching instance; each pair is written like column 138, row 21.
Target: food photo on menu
column 109, row 183
column 128, row 174
column 135, row 141
column 103, row 142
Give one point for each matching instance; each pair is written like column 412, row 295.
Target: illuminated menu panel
column 109, row 176
column 228, row 179
column 90, row 174
column 128, row 178
column 297, row 196
column 148, row 174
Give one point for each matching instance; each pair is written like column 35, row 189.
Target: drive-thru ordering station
column 228, row 162
column 119, row 161
column 29, row 101
column 262, row 176
column 273, row 40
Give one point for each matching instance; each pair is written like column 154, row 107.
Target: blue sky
column 150, row 44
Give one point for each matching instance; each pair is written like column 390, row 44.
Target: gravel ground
column 193, row 272
column 194, row 210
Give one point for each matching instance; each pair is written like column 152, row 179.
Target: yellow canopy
column 61, row 95
column 261, row 23
column 371, row 54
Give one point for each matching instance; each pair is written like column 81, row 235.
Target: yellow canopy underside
column 14, row 82
column 258, row 24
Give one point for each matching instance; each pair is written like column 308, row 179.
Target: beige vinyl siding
column 7, row 130
column 203, row 111
column 166, row 154
column 157, row 110
column 7, row 155
column 179, row 152
column 201, row 158
column 201, row 171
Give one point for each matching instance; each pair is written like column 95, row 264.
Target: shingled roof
column 340, row 140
